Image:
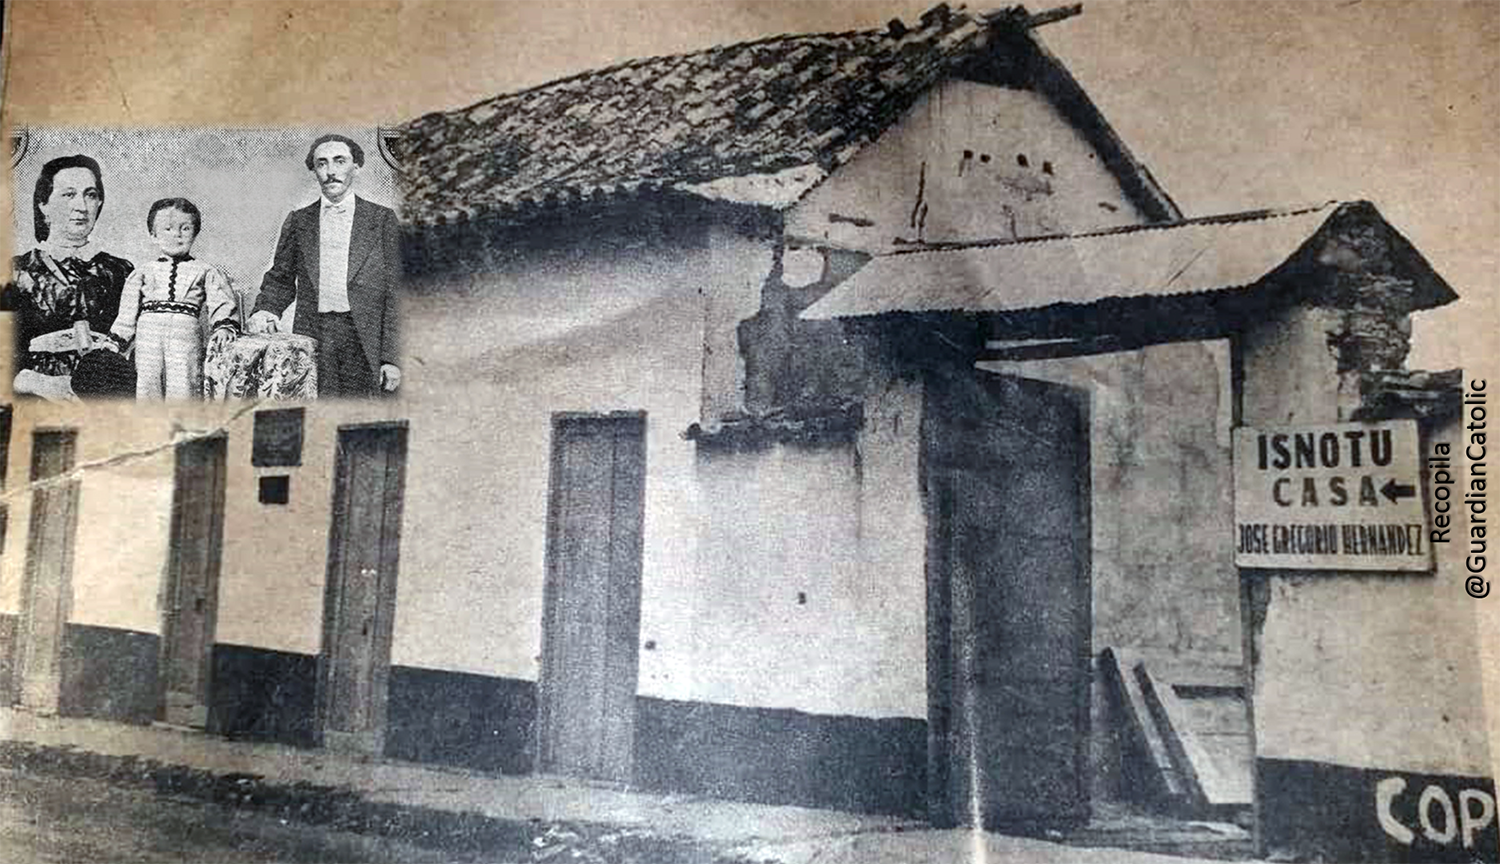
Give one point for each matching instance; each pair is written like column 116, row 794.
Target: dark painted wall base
column 782, row 757
column 486, row 723
column 754, row 754
column 1308, row 809
column 1317, row 811
column 109, row 673
column 474, row 721
column 263, row 695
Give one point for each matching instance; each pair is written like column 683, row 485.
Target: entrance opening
column 1006, row 473
column 1170, row 755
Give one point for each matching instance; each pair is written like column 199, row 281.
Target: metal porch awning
column 1144, row 267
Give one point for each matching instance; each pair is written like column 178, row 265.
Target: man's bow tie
column 341, row 207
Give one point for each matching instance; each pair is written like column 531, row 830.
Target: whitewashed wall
column 812, row 591
column 936, row 160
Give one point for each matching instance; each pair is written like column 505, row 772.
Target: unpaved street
column 74, row 821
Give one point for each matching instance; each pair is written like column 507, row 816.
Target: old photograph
column 190, row 281
column 821, row 432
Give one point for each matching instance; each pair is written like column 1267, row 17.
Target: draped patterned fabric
column 278, row 366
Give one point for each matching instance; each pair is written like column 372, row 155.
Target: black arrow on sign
column 1396, row 491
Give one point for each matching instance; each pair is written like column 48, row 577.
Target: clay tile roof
column 758, row 122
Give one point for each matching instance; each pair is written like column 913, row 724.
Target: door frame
column 550, row 588
column 24, row 646
column 373, row 740
column 172, row 578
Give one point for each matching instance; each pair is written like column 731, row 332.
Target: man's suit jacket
column 374, row 277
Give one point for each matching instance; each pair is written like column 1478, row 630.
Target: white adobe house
column 840, row 420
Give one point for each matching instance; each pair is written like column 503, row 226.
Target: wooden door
column 1006, row 469
column 191, row 595
column 47, row 590
column 592, row 596
column 359, row 600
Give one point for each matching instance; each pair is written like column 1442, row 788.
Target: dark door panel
column 359, row 601
column 591, row 618
column 1006, row 479
column 191, row 598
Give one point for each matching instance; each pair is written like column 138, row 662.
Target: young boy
column 162, row 302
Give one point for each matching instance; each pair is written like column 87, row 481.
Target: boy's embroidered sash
column 170, row 306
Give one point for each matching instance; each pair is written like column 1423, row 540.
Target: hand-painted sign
column 1344, row 496
column 1441, row 818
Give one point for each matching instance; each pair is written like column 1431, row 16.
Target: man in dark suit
column 339, row 258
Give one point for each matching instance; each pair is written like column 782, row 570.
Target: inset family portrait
column 204, row 264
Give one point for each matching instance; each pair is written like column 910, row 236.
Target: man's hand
column 264, row 322
column 220, row 339
column 390, row 378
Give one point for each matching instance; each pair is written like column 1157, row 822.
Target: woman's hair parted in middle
column 181, row 204
column 43, row 191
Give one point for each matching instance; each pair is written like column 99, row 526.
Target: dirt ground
column 77, row 820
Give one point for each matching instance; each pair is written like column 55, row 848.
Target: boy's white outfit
column 160, row 308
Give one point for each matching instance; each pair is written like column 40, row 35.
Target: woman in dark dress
column 64, row 283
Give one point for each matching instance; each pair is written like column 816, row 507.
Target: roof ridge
column 1216, row 219
column 682, row 55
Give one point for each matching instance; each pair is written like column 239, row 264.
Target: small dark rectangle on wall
column 278, row 438
column 275, row 489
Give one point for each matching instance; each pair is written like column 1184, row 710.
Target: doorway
column 592, row 596
column 1006, row 475
column 191, row 594
column 360, row 592
column 46, row 593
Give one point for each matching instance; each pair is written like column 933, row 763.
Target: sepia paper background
column 1233, row 105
